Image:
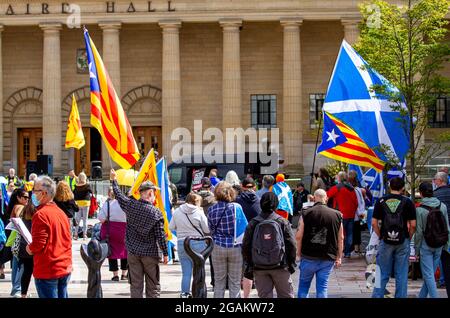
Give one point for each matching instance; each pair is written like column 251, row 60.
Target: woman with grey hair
column 233, row 179
column 82, row 194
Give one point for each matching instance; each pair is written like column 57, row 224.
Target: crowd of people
column 287, row 230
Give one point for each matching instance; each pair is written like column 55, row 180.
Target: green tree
column 406, row 44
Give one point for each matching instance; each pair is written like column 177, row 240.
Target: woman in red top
column 51, row 242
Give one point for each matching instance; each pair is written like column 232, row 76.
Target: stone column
column 231, row 74
column 171, row 83
column 351, row 29
column 51, row 115
column 292, row 95
column 1, row 103
column 111, row 59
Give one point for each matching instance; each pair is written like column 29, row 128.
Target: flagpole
column 315, row 151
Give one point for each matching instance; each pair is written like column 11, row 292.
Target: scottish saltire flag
column 240, row 223
column 163, row 184
column 342, row 143
column 374, row 181
column 359, row 173
column 285, row 198
column 397, row 172
column 350, row 99
column 107, row 114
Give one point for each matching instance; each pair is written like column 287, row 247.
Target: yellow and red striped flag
column 342, row 143
column 146, row 173
column 74, row 135
column 107, row 114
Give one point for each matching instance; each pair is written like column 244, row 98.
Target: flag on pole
column 74, row 135
column 342, row 143
column 375, row 182
column 146, row 173
column 107, row 114
column 351, row 99
column 359, row 173
column 240, row 223
column 285, row 198
column 163, row 184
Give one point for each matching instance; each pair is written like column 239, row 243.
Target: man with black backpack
column 398, row 224
column 320, row 244
column 268, row 249
column 431, row 236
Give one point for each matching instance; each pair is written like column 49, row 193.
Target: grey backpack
column 268, row 249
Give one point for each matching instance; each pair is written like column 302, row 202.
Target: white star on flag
column 332, row 136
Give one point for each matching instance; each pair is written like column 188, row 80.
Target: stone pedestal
column 351, row 29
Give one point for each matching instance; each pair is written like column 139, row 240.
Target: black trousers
column 356, row 233
column 28, row 265
column 114, row 266
column 445, row 258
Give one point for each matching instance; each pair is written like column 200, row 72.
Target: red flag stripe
column 358, row 148
column 354, row 157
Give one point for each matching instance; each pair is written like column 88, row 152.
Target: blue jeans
column 396, row 256
column 348, row 235
column 186, row 263
column 16, row 276
column 322, row 269
column 429, row 261
column 52, row 288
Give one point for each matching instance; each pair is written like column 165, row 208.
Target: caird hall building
column 245, row 63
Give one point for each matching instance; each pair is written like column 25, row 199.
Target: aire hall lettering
column 109, row 7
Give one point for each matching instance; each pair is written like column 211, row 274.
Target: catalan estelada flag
column 342, row 143
column 107, row 114
column 74, row 135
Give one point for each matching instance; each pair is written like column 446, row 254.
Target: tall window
column 439, row 116
column 315, row 109
column 264, row 111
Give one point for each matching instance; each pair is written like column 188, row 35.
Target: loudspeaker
column 96, row 170
column 32, row 167
column 45, row 164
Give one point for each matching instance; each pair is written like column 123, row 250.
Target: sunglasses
column 25, row 197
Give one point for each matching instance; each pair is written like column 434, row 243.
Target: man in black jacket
column 279, row 276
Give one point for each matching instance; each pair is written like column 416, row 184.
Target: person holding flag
column 227, row 224
column 144, row 235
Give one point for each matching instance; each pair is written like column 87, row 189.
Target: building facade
column 230, row 64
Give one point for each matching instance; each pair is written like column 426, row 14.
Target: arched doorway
column 143, row 107
column 80, row 160
column 22, row 128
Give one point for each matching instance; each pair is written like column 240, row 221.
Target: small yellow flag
column 146, row 173
column 74, row 136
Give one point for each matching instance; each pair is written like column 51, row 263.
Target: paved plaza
column 346, row 282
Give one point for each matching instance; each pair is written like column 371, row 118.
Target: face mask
column 434, row 186
column 35, row 201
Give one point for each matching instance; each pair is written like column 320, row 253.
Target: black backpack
column 393, row 227
column 268, row 248
column 436, row 230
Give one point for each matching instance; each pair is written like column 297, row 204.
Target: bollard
column 94, row 254
column 198, row 261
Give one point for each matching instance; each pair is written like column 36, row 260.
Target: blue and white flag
column 359, row 173
column 240, row 224
column 397, row 172
column 285, row 198
column 374, row 181
column 5, row 198
column 350, row 98
column 163, row 184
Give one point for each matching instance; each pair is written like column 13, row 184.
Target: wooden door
column 146, row 139
column 83, row 156
column 30, row 146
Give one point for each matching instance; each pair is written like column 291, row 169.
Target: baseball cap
column 147, row 185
